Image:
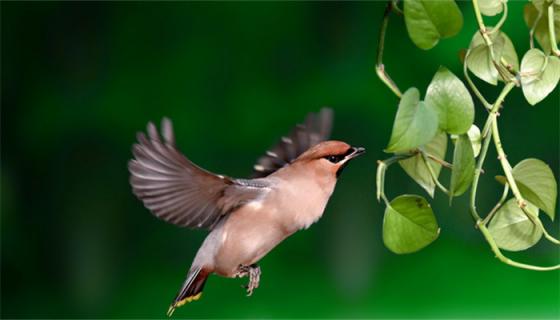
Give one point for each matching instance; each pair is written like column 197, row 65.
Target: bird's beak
column 357, row 152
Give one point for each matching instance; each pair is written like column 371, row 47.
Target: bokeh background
column 80, row 79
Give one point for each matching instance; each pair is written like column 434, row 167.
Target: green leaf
column 409, row 224
column 475, row 137
column 479, row 60
column 427, row 21
column 490, row 7
column 512, row 229
column 416, row 167
column 415, row 123
column 539, row 75
column 537, row 184
column 452, row 102
column 463, row 166
column 541, row 32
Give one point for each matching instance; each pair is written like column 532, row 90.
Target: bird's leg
column 254, row 278
column 254, row 273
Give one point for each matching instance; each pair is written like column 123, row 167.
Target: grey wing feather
column 316, row 128
column 176, row 190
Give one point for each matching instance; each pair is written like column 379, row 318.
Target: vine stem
column 551, row 31
column 482, row 28
column 532, row 31
column 497, row 206
column 484, row 150
column 380, row 67
column 502, row 19
column 506, row 74
column 507, row 260
column 508, row 171
column 490, row 121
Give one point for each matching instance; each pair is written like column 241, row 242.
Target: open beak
column 353, row 153
column 357, row 152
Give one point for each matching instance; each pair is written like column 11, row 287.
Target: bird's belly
column 246, row 239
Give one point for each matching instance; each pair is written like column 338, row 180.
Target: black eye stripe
column 334, row 158
column 338, row 157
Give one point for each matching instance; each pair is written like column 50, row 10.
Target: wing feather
column 176, row 190
column 316, row 128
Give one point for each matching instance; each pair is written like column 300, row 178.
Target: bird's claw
column 254, row 273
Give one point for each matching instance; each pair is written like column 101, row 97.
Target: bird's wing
column 176, row 190
column 317, row 128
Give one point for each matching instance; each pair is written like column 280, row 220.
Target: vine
column 422, row 128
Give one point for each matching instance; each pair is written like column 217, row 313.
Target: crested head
column 330, row 156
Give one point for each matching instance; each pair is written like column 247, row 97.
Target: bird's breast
column 257, row 227
column 300, row 203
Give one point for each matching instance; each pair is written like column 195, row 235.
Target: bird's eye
column 334, row 159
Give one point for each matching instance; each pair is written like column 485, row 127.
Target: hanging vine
column 422, row 128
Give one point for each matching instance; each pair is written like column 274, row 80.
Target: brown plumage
column 247, row 218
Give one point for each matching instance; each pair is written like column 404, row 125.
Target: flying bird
column 247, row 218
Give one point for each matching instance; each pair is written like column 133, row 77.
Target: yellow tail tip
column 181, row 303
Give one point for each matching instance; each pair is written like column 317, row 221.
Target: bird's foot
column 254, row 273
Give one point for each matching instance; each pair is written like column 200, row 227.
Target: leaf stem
column 500, row 23
column 481, row 159
column 551, row 31
column 382, row 166
column 539, row 224
column 547, row 235
column 438, row 160
column 433, row 174
column 380, row 67
column 505, row 259
column 497, row 206
column 396, row 7
column 533, row 27
column 479, row 95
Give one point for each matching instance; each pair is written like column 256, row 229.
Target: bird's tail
column 191, row 289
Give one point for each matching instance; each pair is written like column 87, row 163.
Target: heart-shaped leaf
column 512, row 229
column 427, row 21
column 537, row 184
column 452, row 102
column 490, row 7
column 463, row 166
column 539, row 75
column 415, row 124
column 531, row 13
column 409, row 224
column 416, row 167
column 479, row 60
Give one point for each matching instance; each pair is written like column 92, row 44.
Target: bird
column 246, row 218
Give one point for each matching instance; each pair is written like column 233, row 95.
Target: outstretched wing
column 176, row 190
column 317, row 128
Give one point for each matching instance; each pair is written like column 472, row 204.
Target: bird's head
column 329, row 157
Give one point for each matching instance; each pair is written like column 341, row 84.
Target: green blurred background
column 80, row 79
